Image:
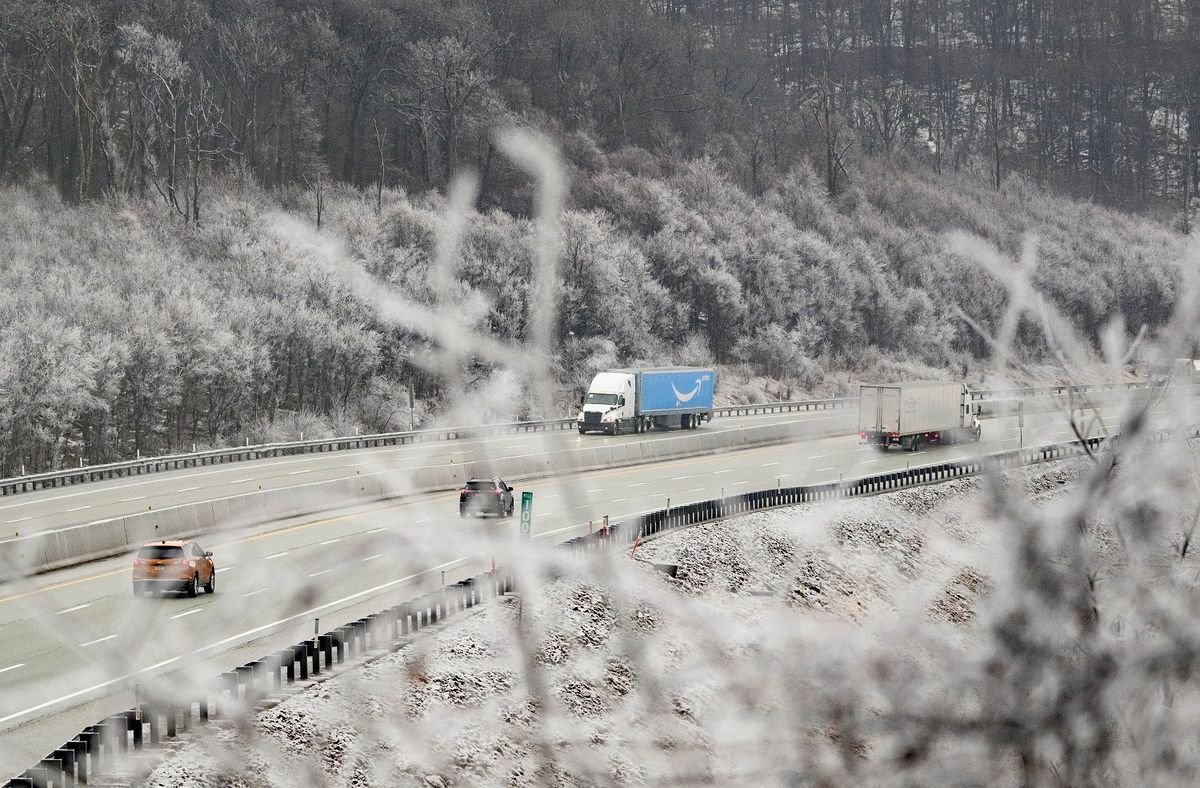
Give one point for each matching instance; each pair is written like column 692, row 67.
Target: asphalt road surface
column 75, row 645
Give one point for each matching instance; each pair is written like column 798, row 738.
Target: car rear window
column 160, row 551
column 481, row 485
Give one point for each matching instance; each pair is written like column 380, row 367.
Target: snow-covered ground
column 938, row 635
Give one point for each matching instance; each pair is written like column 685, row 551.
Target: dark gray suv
column 485, row 496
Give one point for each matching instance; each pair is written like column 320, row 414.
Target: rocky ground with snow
column 816, row 644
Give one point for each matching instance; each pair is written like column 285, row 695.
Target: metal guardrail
column 98, row 747
column 148, row 465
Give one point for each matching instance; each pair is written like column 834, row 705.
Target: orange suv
column 173, row 566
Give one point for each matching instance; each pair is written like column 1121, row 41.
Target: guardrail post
column 315, row 654
column 52, row 767
column 300, row 655
column 134, row 721
column 78, row 747
column 325, row 643
column 339, row 642
column 66, row 759
column 172, row 712
column 91, row 739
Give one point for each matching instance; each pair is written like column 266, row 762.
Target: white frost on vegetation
column 910, row 636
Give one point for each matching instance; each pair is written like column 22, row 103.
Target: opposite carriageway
column 238, row 454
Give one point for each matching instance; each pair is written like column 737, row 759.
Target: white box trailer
column 909, row 415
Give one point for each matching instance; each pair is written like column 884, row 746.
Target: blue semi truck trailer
column 639, row 400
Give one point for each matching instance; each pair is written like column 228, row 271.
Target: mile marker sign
column 526, row 514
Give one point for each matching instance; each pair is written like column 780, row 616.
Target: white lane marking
column 98, row 640
column 239, row 481
column 373, row 557
column 12, row 667
column 318, row 574
column 678, row 478
column 330, row 541
column 277, row 555
column 377, row 530
column 696, row 489
column 639, row 484
column 252, row 593
column 135, row 498
column 595, row 491
column 414, row 523
column 543, row 514
column 306, row 470
column 187, row 489
column 768, row 464
column 818, row 457
column 78, row 508
column 725, row 470
column 618, row 500
column 196, row 609
column 735, row 484
column 19, row 520
column 582, row 506
column 824, row 469
column 867, row 462
column 73, row 609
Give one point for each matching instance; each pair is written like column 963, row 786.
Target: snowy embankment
column 871, row 640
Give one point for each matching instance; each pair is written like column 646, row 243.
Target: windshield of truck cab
column 600, row 399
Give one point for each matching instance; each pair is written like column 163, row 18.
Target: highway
column 73, row 643
column 64, row 506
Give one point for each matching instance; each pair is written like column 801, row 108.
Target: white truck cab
column 609, row 401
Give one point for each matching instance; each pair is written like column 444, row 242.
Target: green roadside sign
column 526, row 514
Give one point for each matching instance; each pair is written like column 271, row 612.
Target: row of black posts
column 243, row 686
column 98, row 746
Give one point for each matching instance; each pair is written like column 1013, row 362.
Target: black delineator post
column 325, row 644
column 172, row 713
column 204, row 707
column 151, row 713
column 185, row 716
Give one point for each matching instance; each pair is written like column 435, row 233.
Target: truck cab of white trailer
column 609, row 401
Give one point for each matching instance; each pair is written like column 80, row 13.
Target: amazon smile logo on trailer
column 681, row 398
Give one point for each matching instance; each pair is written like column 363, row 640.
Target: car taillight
column 138, row 562
column 895, row 435
column 191, row 564
column 463, row 492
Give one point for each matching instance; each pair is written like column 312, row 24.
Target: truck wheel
column 582, row 430
column 685, row 422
